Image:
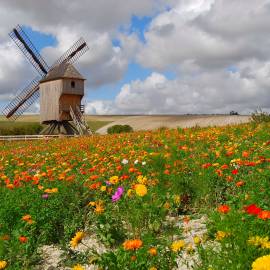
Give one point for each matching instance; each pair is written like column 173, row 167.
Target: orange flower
column 206, row 165
column 240, row 183
column 264, row 215
column 224, row 167
column 95, row 185
column 224, row 209
column 26, row 218
column 132, row 244
column 94, row 177
column 167, row 172
column 245, row 154
column 10, row 186
column 131, row 170
column 23, row 239
column 152, row 251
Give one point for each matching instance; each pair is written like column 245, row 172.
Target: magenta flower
column 45, row 196
column 117, row 195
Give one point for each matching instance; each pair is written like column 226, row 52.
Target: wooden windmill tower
column 60, row 87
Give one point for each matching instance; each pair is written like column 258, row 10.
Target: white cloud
column 215, row 92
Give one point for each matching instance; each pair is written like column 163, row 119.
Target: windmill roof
column 63, row 71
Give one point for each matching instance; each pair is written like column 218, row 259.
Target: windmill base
column 56, row 128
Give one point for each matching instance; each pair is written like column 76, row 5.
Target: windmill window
column 72, row 84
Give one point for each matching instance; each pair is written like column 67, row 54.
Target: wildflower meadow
column 137, row 195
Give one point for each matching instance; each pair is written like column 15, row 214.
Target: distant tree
column 119, row 129
column 234, row 113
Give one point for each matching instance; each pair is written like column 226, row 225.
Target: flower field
column 133, row 192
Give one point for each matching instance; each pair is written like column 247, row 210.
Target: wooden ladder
column 80, row 122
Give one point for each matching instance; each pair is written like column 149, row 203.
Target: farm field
column 100, row 123
column 150, row 122
column 186, row 198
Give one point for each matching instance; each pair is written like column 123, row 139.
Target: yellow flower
column 258, row 241
column 78, row 267
column 77, row 239
column 177, row 245
column 141, row 190
column 266, row 245
column 130, row 192
column 177, row 199
column 142, row 179
column 261, row 263
column 220, row 235
column 197, row 240
column 153, row 268
column 51, row 190
column 91, row 203
column 114, row 180
column 3, row 264
column 103, row 188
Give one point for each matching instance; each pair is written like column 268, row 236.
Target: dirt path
column 154, row 122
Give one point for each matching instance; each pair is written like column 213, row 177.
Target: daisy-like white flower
column 124, row 161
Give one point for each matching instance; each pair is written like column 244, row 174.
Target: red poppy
column 224, row 209
column 206, row 165
column 253, row 209
column 235, row 171
column 250, row 164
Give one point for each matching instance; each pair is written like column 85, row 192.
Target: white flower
column 124, row 161
column 136, row 161
column 143, row 163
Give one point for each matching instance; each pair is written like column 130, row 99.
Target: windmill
column 60, row 88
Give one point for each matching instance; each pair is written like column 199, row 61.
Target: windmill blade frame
column 72, row 54
column 29, row 50
column 23, row 101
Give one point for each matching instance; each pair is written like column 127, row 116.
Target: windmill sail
column 73, row 54
column 23, row 101
column 29, row 50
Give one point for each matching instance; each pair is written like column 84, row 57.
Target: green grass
column 19, row 128
column 95, row 125
column 33, row 127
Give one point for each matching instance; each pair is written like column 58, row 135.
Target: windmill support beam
column 63, row 127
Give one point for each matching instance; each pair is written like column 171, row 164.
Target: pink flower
column 117, row 195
